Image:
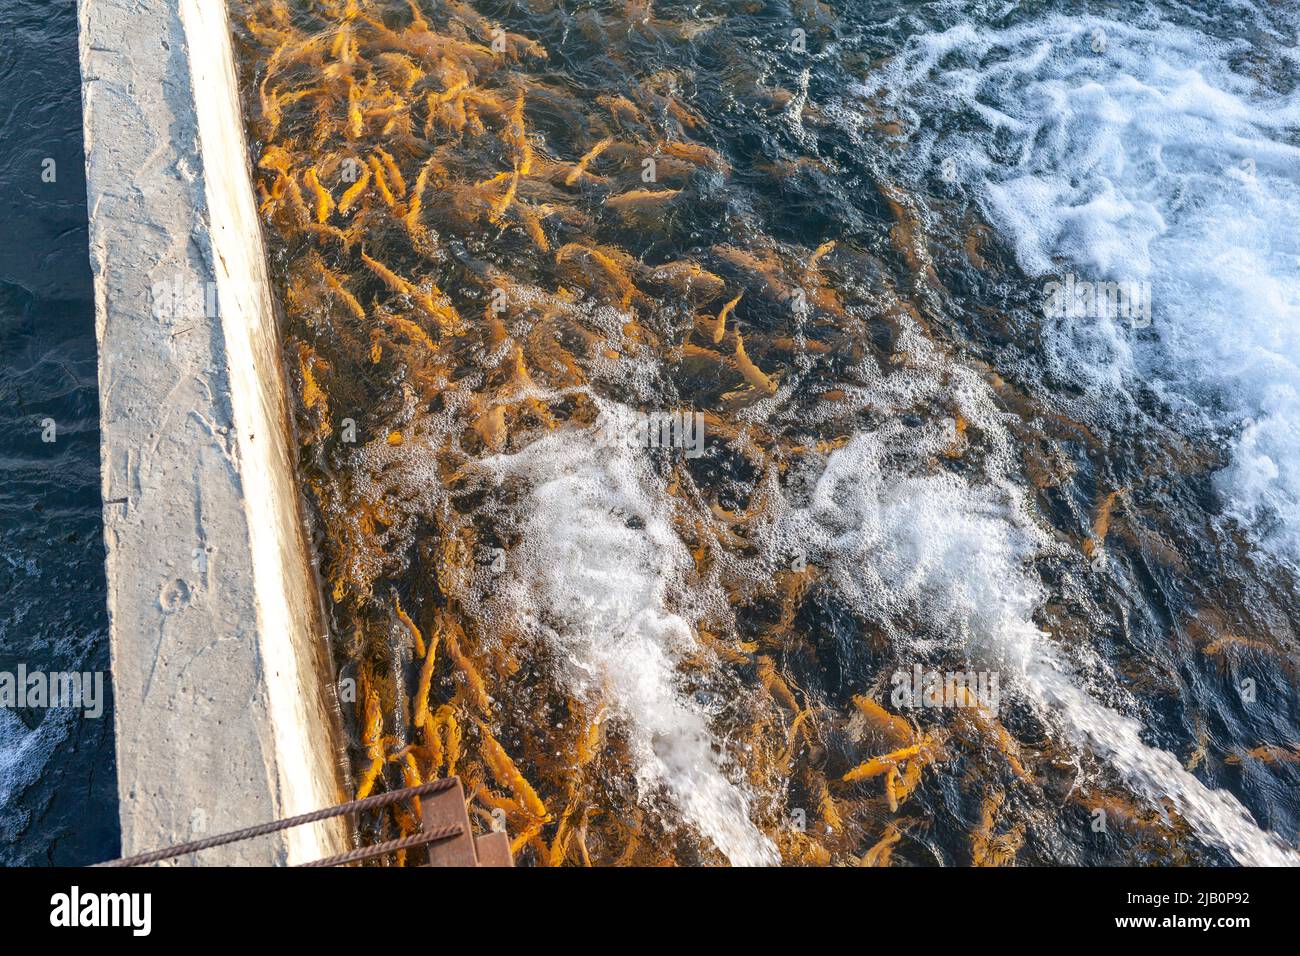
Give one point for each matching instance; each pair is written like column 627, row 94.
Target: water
column 609, row 580
column 1152, row 150
column 841, row 259
column 58, row 790
column 1161, row 149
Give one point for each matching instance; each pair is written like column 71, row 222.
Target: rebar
column 379, row 849
column 261, row 829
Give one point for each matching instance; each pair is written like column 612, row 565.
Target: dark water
column 58, row 788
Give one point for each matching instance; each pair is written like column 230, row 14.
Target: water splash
column 1145, row 153
column 597, row 576
column 956, row 557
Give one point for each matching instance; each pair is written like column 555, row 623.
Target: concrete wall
column 223, row 695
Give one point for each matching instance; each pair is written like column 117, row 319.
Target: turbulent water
column 58, row 796
column 1159, row 150
column 848, row 257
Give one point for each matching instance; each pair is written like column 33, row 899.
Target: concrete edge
column 223, row 688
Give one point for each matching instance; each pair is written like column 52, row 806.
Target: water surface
column 58, row 788
column 503, row 231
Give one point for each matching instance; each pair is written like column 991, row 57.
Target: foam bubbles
column 1147, row 156
column 599, row 576
column 24, row 755
column 926, row 548
column 1216, row 815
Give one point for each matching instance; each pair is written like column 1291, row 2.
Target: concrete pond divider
column 224, row 703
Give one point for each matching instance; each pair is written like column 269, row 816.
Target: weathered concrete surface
column 222, row 692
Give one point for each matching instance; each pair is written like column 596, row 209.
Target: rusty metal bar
column 449, row 811
column 379, row 849
column 493, row 849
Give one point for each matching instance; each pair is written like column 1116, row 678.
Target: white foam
column 926, row 549
column 1215, row 815
column 1150, row 159
column 599, row 576
column 24, row 755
